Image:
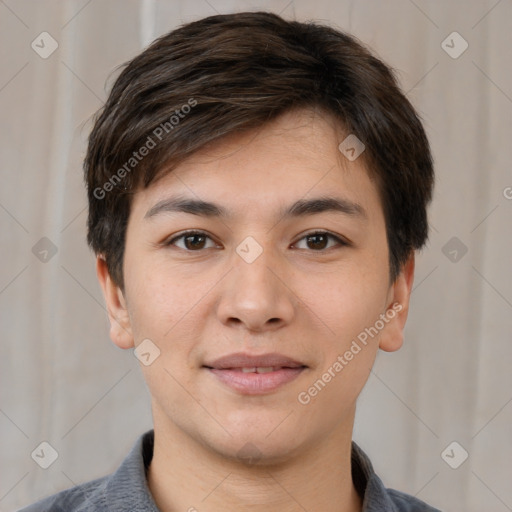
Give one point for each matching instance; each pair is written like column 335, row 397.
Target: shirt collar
column 369, row 486
column 127, row 490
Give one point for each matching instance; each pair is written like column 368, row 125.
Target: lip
column 228, row 370
column 243, row 360
column 256, row 383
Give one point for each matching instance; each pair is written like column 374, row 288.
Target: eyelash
column 185, row 234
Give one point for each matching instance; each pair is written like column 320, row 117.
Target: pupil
column 322, row 245
column 194, row 245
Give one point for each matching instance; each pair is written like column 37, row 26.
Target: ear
column 392, row 336
column 120, row 326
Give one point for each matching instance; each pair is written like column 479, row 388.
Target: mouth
column 257, row 369
column 255, row 375
column 256, row 381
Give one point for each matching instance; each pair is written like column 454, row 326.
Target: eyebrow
column 301, row 208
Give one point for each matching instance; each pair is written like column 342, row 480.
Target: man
column 257, row 190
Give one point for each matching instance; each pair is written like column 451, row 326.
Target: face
column 266, row 268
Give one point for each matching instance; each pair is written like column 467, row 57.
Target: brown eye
column 192, row 241
column 319, row 240
column 195, row 241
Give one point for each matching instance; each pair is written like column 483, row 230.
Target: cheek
column 348, row 347
column 162, row 299
column 347, row 302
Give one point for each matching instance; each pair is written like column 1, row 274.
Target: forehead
column 293, row 157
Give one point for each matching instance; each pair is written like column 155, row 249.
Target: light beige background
column 65, row 383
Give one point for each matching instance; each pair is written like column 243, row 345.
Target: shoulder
column 87, row 497
column 407, row 503
column 124, row 490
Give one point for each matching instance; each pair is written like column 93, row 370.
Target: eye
column 193, row 240
column 319, row 240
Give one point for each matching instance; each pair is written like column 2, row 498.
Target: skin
column 199, row 300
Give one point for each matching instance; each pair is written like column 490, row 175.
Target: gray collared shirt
column 127, row 489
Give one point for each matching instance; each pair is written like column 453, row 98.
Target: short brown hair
column 227, row 73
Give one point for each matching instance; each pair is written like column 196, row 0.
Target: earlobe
column 120, row 326
column 392, row 335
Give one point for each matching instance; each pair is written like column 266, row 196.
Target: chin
column 260, row 454
column 255, row 447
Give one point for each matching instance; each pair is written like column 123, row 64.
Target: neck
column 187, row 475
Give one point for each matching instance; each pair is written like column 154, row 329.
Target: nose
column 256, row 295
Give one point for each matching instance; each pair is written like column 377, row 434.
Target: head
column 247, row 111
